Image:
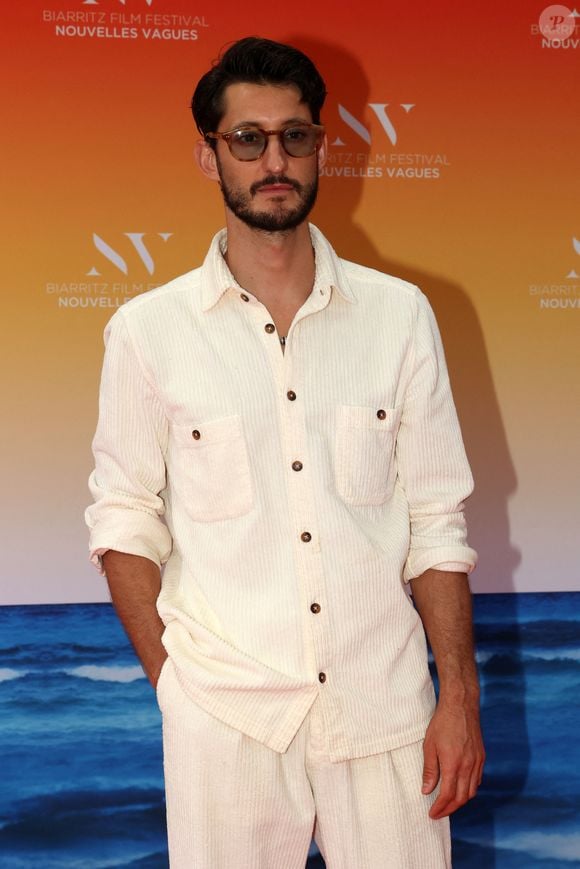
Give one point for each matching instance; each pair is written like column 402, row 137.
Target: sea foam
column 7, row 674
column 107, row 674
column 558, row 846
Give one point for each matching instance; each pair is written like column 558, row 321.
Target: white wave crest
column 545, row 655
column 557, row 846
column 7, row 674
column 554, row 655
column 107, row 674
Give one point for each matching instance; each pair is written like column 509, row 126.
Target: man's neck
column 278, row 268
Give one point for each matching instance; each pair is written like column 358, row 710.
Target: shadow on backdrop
column 503, row 699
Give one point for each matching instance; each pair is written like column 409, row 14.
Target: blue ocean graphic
column 82, row 782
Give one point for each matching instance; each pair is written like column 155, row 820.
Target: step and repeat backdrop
column 453, row 162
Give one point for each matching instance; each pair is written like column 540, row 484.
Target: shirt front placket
column 286, row 365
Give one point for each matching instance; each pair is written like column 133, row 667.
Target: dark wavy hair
column 256, row 61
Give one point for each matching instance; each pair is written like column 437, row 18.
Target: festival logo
column 112, row 19
column 563, row 294
column 104, row 284
column 369, row 149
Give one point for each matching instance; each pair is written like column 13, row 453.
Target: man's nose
column 274, row 158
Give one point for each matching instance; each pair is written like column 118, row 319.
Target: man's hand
column 453, row 753
column 453, row 748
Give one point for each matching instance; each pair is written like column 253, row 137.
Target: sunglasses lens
column 300, row 141
column 247, row 144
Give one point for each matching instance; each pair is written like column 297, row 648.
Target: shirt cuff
column 454, row 566
column 439, row 557
column 131, row 532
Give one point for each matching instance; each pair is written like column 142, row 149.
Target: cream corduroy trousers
column 233, row 803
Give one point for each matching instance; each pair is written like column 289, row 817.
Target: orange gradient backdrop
column 98, row 142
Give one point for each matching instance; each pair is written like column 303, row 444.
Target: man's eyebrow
column 285, row 123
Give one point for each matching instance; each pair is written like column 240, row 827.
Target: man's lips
column 272, row 184
column 275, row 188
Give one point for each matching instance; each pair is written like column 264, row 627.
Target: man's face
column 276, row 192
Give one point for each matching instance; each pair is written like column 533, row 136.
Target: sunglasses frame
column 227, row 136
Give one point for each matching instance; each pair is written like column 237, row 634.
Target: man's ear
column 323, row 153
column 205, row 158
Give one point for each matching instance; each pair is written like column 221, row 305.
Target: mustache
column 275, row 179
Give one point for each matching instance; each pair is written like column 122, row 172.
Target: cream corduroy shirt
column 290, row 495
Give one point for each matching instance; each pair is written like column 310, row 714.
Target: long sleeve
column 129, row 447
column 431, row 460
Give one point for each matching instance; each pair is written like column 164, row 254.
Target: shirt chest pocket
column 364, row 454
column 209, row 469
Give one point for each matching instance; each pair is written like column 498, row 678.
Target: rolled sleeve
column 431, row 460
column 129, row 448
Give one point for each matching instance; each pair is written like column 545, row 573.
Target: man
column 276, row 429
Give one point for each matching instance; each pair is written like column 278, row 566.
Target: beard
column 280, row 218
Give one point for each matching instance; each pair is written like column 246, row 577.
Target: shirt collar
column 217, row 279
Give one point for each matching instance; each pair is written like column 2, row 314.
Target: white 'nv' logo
column 96, row 2
column 136, row 239
column 380, row 111
column 576, row 246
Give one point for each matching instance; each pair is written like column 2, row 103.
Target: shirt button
column 322, row 677
column 244, row 298
column 269, row 327
column 291, row 395
column 382, row 414
column 314, row 607
column 195, row 434
column 306, row 537
column 296, row 466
